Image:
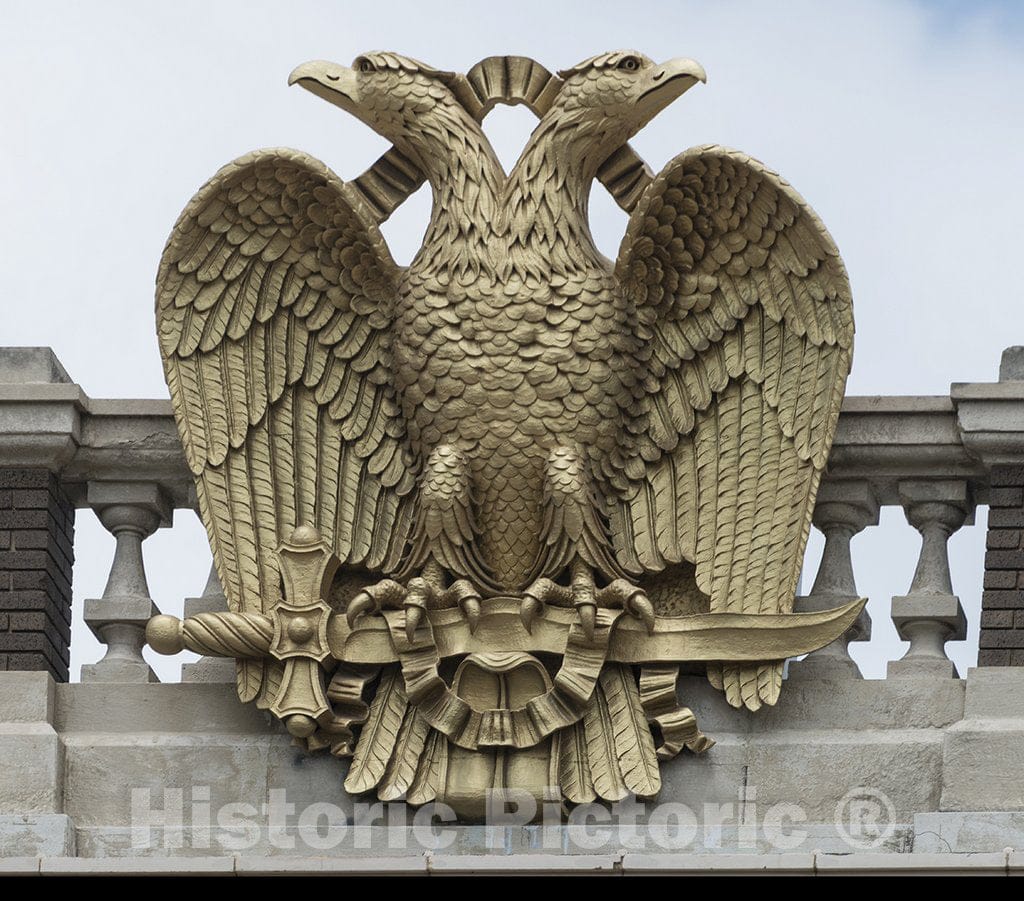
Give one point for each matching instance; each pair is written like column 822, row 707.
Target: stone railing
column 117, row 767
column 936, row 457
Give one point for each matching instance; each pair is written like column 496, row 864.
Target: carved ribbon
column 560, row 706
column 678, row 725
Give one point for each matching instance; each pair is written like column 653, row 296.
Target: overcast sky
column 901, row 122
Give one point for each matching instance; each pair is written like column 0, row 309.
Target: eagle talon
column 387, row 594
column 462, row 594
column 420, row 594
column 587, row 613
column 539, row 594
column 630, row 598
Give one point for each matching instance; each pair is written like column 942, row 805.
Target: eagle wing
column 745, row 306
column 274, row 303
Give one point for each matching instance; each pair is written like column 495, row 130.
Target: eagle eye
column 364, row 65
column 630, row 63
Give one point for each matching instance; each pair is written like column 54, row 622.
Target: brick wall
column 36, row 552
column 1002, row 605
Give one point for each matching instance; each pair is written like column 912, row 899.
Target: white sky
column 901, row 122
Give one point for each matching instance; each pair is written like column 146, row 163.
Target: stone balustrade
column 936, row 751
column 935, row 457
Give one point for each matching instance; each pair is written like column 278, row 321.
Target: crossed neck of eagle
column 547, row 197
column 465, row 178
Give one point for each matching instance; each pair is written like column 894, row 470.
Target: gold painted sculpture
column 511, row 486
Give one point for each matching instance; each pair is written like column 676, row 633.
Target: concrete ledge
column 38, row 835
column 966, row 831
column 91, row 439
column 512, row 864
column 817, row 864
column 27, row 697
column 752, row 864
column 19, row 866
column 138, row 866
column 912, row 864
column 297, row 866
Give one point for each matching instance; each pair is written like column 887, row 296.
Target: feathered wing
column 745, row 306
column 274, row 302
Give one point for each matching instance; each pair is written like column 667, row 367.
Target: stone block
column 494, row 865
column 938, row 608
column 138, row 866
column 38, row 835
column 982, row 767
column 1005, row 518
column 909, row 864
column 820, row 772
column 31, row 365
column 146, row 495
column 1006, row 497
column 715, row 777
column 118, row 672
column 26, row 698
column 1004, row 560
column 719, row 864
column 1001, row 638
column 217, row 670
column 836, row 704
column 31, row 777
column 307, row 778
column 930, row 667
column 1004, row 475
column 1003, row 539
column 994, row 693
column 968, row 831
column 246, row 865
column 90, row 707
column 997, row 619
column 103, row 771
column 19, row 866
column 1011, row 598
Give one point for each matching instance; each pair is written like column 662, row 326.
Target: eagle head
column 613, row 95
column 392, row 94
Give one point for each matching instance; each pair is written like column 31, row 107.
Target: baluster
column 131, row 512
column 209, row 669
column 843, row 509
column 930, row 614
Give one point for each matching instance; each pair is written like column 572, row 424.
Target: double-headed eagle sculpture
column 472, row 514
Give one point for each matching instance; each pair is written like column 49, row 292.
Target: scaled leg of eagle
column 575, row 538
column 443, row 544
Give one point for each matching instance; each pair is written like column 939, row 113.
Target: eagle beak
column 335, row 84
column 671, row 80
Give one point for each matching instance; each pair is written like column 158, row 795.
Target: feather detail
column 431, row 773
column 748, row 308
column 404, row 763
column 602, row 754
column 634, row 744
column 274, row 301
column 574, row 765
column 378, row 737
column 249, row 676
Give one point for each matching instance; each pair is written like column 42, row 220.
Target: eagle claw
column 631, row 598
column 416, row 597
column 620, row 593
